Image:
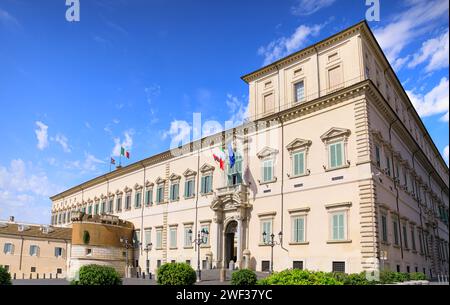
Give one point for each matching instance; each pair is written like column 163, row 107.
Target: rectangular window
column 299, row 163
column 110, row 205
column 189, row 188
column 148, row 197
column 405, row 238
column 265, row 266
column 206, row 184
column 119, row 204
column 188, row 236
column 299, row 89
column 297, row 265
column 34, row 250
column 339, row 267
column 103, row 207
column 33, row 269
column 137, row 199
column 90, row 209
column 173, row 237
column 269, row 103
column 298, row 229
column 395, row 228
column 148, row 236
column 174, row 191
column 160, row 194
column 338, row 226
column 267, row 170
column 96, row 209
column 59, row 270
column 128, row 201
column 58, row 251
column 336, row 155
column 384, row 228
column 137, row 238
column 8, row 248
column 266, row 227
column 335, row 78
column 206, row 237
column 377, row 156
column 388, row 166
column 158, row 239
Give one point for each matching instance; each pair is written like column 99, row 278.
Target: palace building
column 334, row 157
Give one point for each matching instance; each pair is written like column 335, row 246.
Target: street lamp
column 272, row 243
column 201, row 235
column 147, row 248
column 127, row 245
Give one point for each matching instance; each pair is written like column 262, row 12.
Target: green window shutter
column 341, row 226
column 333, row 155
column 301, row 163
column 335, row 227
column 209, row 184
column 301, row 229
column 186, row 189
column 339, row 155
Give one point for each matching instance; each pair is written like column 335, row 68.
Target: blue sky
column 131, row 72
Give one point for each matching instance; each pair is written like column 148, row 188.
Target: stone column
column 219, row 242
column 239, row 245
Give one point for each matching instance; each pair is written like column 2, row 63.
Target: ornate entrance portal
column 230, row 243
column 232, row 212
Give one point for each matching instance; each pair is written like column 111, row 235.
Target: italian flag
column 125, row 153
column 220, row 157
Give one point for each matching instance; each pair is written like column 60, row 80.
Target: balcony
column 231, row 197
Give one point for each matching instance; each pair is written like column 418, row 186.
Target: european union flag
column 231, row 155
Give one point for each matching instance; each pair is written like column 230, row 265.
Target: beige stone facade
column 31, row 251
column 335, row 157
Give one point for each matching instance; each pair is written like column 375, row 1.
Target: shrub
column 243, row 277
column 351, row 279
column 98, row 275
column 176, row 274
column 418, row 276
column 389, row 277
column 5, row 277
column 300, row 277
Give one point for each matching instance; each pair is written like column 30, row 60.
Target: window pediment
column 189, row 173
column 149, row 184
column 137, row 186
column 174, row 177
column 206, row 168
column 119, row 192
column 267, row 152
column 127, row 189
column 160, row 180
column 334, row 133
column 298, row 143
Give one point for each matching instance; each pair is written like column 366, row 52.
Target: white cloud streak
column 309, row 7
column 434, row 51
column 41, row 135
column 436, row 101
column 285, row 45
column 126, row 143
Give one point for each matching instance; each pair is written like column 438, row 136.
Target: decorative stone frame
column 296, row 146
column 159, row 229
column 119, row 195
column 265, row 154
column 263, row 217
column 338, row 208
column 207, row 170
column 188, row 225
column 299, row 212
column 189, row 175
column 332, row 136
column 206, row 222
column 128, row 191
column 384, row 211
column 160, row 182
column 174, row 179
column 173, row 226
column 148, row 187
column 295, row 80
column 330, row 66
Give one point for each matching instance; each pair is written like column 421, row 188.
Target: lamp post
column 272, row 243
column 201, row 235
column 127, row 245
column 147, row 248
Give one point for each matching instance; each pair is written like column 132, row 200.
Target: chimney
column 11, row 218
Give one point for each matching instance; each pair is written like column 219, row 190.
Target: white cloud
column 435, row 51
column 41, row 135
column 24, row 192
column 90, row 162
column 238, row 108
column 286, row 45
column 7, row 19
column 126, row 143
column 179, row 133
column 434, row 102
column 87, row 125
column 418, row 19
column 63, row 141
column 446, row 154
column 308, row 7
